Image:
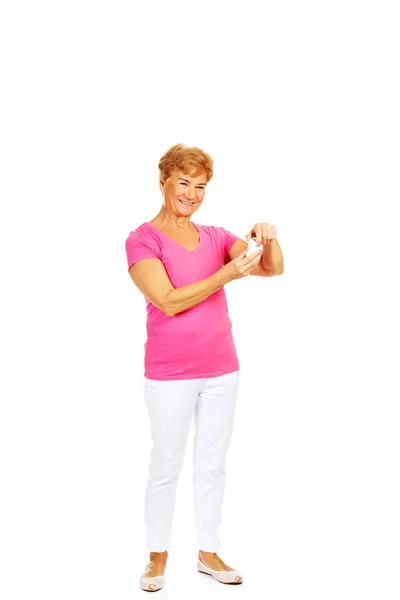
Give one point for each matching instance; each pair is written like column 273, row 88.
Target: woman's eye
column 183, row 183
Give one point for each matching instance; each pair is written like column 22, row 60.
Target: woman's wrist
column 223, row 276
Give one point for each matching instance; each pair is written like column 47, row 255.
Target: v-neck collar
column 177, row 243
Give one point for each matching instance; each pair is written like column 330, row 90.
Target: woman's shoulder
column 142, row 243
column 140, row 228
column 140, row 231
column 143, row 234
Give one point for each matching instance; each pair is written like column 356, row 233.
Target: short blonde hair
column 188, row 159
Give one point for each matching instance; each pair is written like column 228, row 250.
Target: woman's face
column 182, row 193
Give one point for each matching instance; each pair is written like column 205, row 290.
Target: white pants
column 171, row 406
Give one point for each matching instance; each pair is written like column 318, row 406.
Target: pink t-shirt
column 197, row 342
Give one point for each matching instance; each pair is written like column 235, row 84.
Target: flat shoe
column 159, row 581
column 221, row 576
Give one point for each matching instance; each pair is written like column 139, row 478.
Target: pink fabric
column 197, row 342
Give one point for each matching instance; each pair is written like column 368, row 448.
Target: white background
column 298, row 104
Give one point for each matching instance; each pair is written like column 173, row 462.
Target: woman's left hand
column 263, row 232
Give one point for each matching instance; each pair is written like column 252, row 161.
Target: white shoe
column 158, row 581
column 221, row 576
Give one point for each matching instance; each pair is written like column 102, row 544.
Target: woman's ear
column 162, row 185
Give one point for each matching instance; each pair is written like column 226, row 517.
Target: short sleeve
column 229, row 239
column 138, row 249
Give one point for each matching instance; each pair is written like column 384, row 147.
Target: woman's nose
column 190, row 194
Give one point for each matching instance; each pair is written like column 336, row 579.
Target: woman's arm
column 151, row 278
column 182, row 298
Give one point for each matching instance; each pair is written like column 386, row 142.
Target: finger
column 252, row 264
column 254, row 257
column 257, row 252
column 247, row 259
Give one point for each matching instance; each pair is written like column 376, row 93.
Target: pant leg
column 214, row 417
column 170, row 406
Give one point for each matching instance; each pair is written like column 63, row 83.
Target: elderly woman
column 191, row 366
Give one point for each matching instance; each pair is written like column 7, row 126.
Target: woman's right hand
column 242, row 265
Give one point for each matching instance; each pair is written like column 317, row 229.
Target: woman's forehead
column 191, row 176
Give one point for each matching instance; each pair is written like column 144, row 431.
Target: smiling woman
column 191, row 364
column 184, row 174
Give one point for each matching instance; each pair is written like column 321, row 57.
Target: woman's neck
column 166, row 219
